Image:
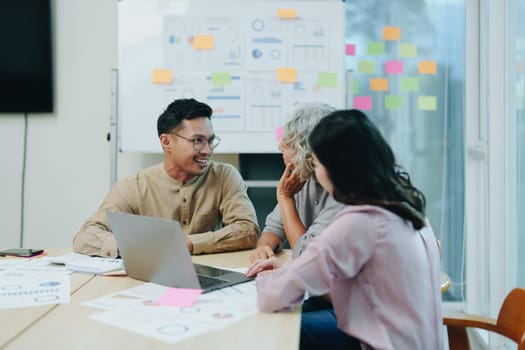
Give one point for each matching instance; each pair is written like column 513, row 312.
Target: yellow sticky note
column 287, row 75
column 427, row 67
column 378, row 84
column 203, row 42
column 287, row 13
column 221, row 78
column 162, row 76
column 407, row 50
column 427, row 103
column 326, row 79
column 391, row 33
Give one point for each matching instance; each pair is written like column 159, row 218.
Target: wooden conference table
column 68, row 326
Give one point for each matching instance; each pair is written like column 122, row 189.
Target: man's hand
column 189, row 244
column 289, row 184
column 262, row 252
column 263, row 265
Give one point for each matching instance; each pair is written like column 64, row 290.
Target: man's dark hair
column 180, row 110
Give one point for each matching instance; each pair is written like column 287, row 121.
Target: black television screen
column 26, row 68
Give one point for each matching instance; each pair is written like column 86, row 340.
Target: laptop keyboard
column 207, row 282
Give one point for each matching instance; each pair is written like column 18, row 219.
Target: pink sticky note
column 278, row 133
column 350, row 49
column 394, row 67
column 181, row 297
column 363, row 103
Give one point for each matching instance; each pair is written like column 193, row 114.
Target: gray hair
column 296, row 131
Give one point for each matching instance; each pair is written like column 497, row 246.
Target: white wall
column 67, row 171
column 68, row 156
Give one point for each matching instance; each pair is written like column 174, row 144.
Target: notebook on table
column 155, row 250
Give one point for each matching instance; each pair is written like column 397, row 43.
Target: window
column 515, row 143
column 407, row 59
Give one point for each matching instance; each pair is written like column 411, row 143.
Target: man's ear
column 165, row 142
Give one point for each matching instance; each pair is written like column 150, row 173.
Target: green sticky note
column 427, row 103
column 367, row 67
column 410, row 84
column 221, row 78
column 356, row 87
column 326, row 79
column 407, row 50
column 393, row 102
column 376, row 48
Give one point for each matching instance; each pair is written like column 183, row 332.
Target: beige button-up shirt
column 213, row 209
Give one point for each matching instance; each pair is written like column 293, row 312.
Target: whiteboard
column 251, row 61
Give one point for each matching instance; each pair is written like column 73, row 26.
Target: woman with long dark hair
column 378, row 259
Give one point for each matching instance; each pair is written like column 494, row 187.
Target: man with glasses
column 207, row 197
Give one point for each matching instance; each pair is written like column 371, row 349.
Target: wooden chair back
column 510, row 322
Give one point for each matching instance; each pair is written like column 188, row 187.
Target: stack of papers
column 84, row 263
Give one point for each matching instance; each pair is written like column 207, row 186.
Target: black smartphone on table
column 21, row 252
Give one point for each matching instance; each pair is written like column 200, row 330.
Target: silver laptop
column 155, row 250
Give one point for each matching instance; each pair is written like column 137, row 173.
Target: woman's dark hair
column 180, row 110
column 362, row 166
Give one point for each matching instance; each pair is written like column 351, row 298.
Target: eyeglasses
column 199, row 142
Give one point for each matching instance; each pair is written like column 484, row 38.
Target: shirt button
column 183, row 200
column 185, row 222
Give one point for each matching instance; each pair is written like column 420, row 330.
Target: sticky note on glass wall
column 279, row 133
column 427, row 67
column 356, row 87
column 427, row 103
column 350, row 49
column 410, row 84
column 326, row 79
column 366, row 67
column 203, row 42
column 287, row 75
column 407, row 50
column 394, row 67
column 379, row 84
column 363, row 103
column 162, row 76
column 221, row 78
column 391, row 33
column 393, row 102
column 287, row 13
column 376, row 48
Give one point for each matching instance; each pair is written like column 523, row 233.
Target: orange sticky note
column 378, row 84
column 427, row 67
column 391, row 33
column 287, row 75
column 203, row 42
column 287, row 13
column 162, row 76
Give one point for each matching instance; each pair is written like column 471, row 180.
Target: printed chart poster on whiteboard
column 251, row 61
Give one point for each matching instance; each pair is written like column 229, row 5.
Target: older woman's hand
column 289, row 184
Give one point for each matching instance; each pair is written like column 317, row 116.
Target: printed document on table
column 136, row 310
column 85, row 263
column 22, row 288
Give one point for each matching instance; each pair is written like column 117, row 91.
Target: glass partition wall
column 407, row 59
